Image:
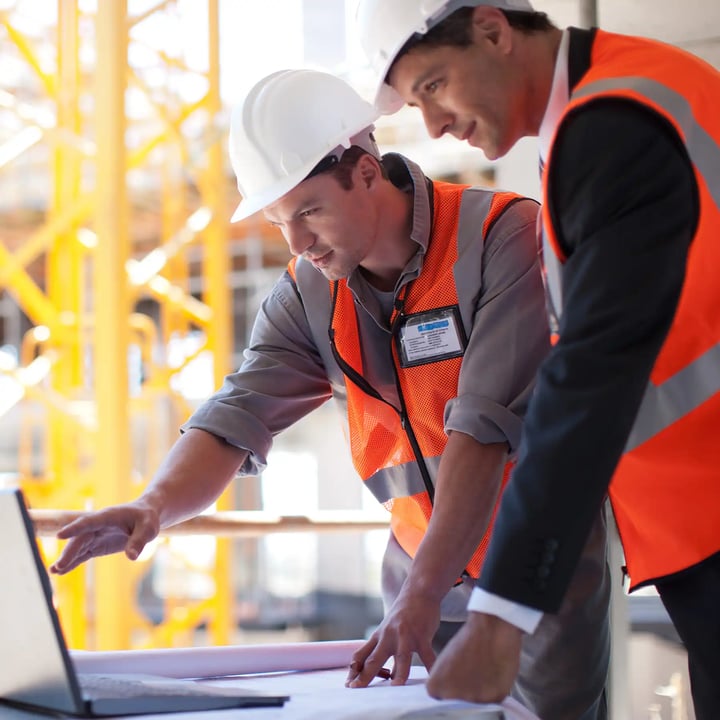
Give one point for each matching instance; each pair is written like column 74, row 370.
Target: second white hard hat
column 386, row 25
column 288, row 122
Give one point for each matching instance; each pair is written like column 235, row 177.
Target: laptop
column 36, row 671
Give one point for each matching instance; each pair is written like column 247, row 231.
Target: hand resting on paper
column 480, row 663
column 407, row 628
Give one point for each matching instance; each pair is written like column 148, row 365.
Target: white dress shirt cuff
column 522, row 616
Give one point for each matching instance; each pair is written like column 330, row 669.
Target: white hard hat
column 386, row 25
column 288, row 122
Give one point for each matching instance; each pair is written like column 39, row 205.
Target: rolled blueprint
column 222, row 661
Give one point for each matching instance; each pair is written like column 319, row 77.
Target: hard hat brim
column 249, row 206
column 387, row 100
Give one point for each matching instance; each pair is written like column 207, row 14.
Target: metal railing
column 238, row 523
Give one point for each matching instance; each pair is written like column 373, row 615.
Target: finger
column 427, row 656
column 73, row 554
column 401, row 668
column 142, row 534
column 66, row 560
column 85, row 524
column 369, row 671
column 353, row 671
column 358, row 660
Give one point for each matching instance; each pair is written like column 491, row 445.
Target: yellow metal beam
column 215, row 272
column 32, row 299
column 26, row 49
column 66, row 217
column 66, row 290
column 137, row 19
column 112, row 308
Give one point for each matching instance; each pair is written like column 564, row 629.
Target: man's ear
column 368, row 170
column 490, row 25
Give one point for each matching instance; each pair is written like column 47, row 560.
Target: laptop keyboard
column 95, row 687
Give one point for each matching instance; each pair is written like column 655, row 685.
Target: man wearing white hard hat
column 628, row 402
column 418, row 306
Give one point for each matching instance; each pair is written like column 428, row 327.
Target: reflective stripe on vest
column 702, row 149
column 666, row 480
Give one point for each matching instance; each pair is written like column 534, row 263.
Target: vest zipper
column 404, row 419
column 367, row 388
column 407, row 426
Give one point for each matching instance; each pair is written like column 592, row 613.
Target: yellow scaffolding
column 113, row 135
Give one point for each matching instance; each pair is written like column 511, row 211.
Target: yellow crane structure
column 119, row 121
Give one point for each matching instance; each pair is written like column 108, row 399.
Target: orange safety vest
column 665, row 491
column 389, row 444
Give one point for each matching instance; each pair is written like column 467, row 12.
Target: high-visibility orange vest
column 381, row 438
column 665, row 492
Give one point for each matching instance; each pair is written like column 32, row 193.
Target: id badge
column 430, row 336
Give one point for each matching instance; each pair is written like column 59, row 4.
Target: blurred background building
column 126, row 296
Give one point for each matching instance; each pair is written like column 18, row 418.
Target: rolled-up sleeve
column 509, row 337
column 281, row 379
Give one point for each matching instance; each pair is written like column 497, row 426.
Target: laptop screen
column 34, row 665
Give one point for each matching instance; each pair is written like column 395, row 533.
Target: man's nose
column 437, row 120
column 298, row 238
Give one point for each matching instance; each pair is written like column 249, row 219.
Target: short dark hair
column 456, row 30
column 342, row 168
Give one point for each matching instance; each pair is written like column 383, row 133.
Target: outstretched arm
column 280, row 381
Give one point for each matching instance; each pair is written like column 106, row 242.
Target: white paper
column 316, row 694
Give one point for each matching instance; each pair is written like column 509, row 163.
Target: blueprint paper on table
column 323, row 696
column 300, row 671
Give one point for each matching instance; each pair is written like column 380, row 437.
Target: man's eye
column 308, row 213
column 432, row 87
